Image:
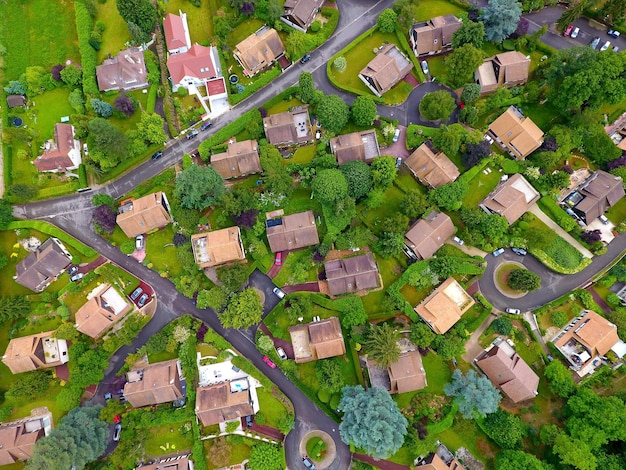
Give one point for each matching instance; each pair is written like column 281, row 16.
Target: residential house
column 42, row 267
column 18, row 438
column 511, row 198
column 430, row 168
column 317, row 340
column 217, row 247
column 385, row 70
column 154, row 384
column 444, row 306
column 194, row 68
column 434, row 36
column 586, row 340
column 361, row 146
column 507, row 69
column 104, row 309
column 516, row 134
column 407, row 374
column 429, row 234
column 240, row 159
column 299, row 14
column 291, row 232
column 38, row 351
column 352, row 274
column 145, row 214
column 225, row 401
column 595, row 195
column 259, row 50
column 441, row 459
column 126, row 71
column 289, row 128
column 180, row 462
column 508, row 371
column 15, row 101
column 60, row 154
column 176, row 30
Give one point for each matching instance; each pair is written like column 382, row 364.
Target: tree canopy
column 437, row 106
column 506, row 429
column 330, row 186
column 107, row 144
column 560, row 379
column 371, row 421
column 449, row 196
column 381, row 345
column 199, row 187
column 359, row 178
column 363, row 111
column 139, row 12
column 475, row 394
column 500, row 18
column 384, row 171
column 524, row 280
column 265, row 456
column 244, row 310
column 6, row 213
column 462, row 63
column 387, row 21
column 332, row 113
column 470, row 32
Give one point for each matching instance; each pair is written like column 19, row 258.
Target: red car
column 269, row 362
column 568, row 30
column 117, row 419
column 279, row 258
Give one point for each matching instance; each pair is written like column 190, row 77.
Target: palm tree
column 381, row 345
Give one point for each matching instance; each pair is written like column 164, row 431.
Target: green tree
column 232, row 276
column 574, row 452
column 506, row 429
column 244, row 310
column 500, row 18
column 340, row 64
column 265, row 456
column 150, row 129
column 67, row 331
column 371, row 421
column 296, row 44
column 518, row 460
column 103, row 200
column 523, row 280
column 15, row 88
column 13, row 307
column 384, row 172
column 389, row 244
column 264, row 344
column 128, row 246
column 363, row 111
column 330, row 186
column 140, row 12
column 332, row 113
column 199, row 187
column 102, row 108
column 448, row 139
column 353, row 313
column 470, row 93
column 358, row 175
column 76, row 100
column 407, row 13
column 414, row 204
column 78, row 439
column 387, row 21
column 69, row 397
column 560, row 379
column 449, row 196
column 470, row 32
column 462, row 63
column 381, row 345
column 475, row 394
column 421, row 335
column 22, row 192
column 306, row 86
column 277, row 180
column 72, row 76
column 6, row 213
column 107, row 145
column 329, row 374
column 598, row 145
column 437, row 106
column 215, row 298
column 286, row 423
column 28, row 386
column 502, row 326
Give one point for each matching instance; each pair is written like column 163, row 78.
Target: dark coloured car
column 136, row 293
column 305, row 59
column 142, row 300
column 613, row 33
column 192, row 134
column 205, row 125
column 72, row 270
column 157, row 155
column 249, row 421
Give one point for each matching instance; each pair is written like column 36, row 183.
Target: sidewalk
column 562, row 233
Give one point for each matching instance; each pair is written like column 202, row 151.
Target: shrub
column 558, row 318
column 315, row 26
column 340, row 64
column 84, row 26
column 255, row 86
column 502, row 326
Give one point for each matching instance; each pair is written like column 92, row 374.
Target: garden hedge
column 551, row 208
column 88, row 56
column 234, row 128
column 255, row 86
column 49, row 229
column 152, row 96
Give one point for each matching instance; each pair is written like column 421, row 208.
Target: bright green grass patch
column 198, row 19
column 8, row 286
column 127, row 123
column 428, row 9
column 37, row 325
column 374, row 218
column 617, row 213
column 303, row 154
column 116, row 33
column 161, row 252
column 48, row 400
column 466, row 433
column 438, row 374
column 37, row 32
column 167, row 439
column 481, row 185
column 295, row 258
column 283, row 106
column 207, row 349
column 271, row 407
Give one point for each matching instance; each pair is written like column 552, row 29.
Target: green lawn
column 481, row 186
column 161, row 252
column 303, row 154
column 283, row 106
column 571, row 308
column 617, row 213
column 116, row 33
column 272, row 407
column 239, row 452
column 286, row 275
column 198, row 18
column 8, row 286
column 167, row 439
column 125, row 124
column 427, row 9
column 374, row 218
column 466, row 433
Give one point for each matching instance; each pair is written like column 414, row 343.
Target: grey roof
column 42, row 266
column 351, row 274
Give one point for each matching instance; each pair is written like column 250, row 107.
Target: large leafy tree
column 475, row 394
column 6, row 213
column 199, row 187
column 506, row 429
column 363, row 111
column 448, row 139
column 265, row 456
column 500, row 18
column 371, row 421
column 81, row 437
column 462, row 63
column 107, row 145
column 470, row 32
column 306, row 86
column 560, row 379
column 421, row 335
column 437, row 106
column 29, row 386
column 12, row 308
column 574, row 452
column 329, row 374
column 387, row 21
column 277, row 180
column 524, row 280
column 140, row 12
column 359, row 177
column 449, row 196
column 384, row 172
column 244, row 310
column 518, row 460
column 330, row 186
column 381, row 345
column 332, row 113
column 407, row 12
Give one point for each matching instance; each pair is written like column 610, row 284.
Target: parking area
column 142, row 295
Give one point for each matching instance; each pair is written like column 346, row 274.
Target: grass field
column 167, row 439
column 198, row 18
column 116, row 33
column 271, row 406
column 427, row 9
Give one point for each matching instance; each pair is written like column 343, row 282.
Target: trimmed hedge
column 234, row 128
column 49, row 229
column 88, row 56
column 551, row 208
column 255, row 86
column 554, row 266
column 284, row 95
column 484, row 302
column 152, row 96
column 409, row 52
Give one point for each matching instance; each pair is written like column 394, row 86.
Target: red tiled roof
column 216, row 86
column 196, row 62
column 57, row 156
column 174, row 32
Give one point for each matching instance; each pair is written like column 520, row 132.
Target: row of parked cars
column 573, row 32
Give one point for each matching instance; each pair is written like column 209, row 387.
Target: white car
column 605, row 46
column 279, row 293
column 139, row 242
column 281, row 353
column 85, row 149
column 424, row 65
column 458, row 240
column 396, row 135
column 498, row 252
column 574, row 34
column 513, row 311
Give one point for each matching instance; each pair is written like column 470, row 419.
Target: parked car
column 73, row 269
column 396, row 135
column 269, row 362
column 308, row 464
column 568, row 30
column 136, row 293
column 281, row 353
column 615, row 49
column 605, row 46
column 489, row 139
column 498, row 252
column 519, row 251
column 305, row 59
column 278, row 260
column 398, row 162
column 157, row 155
column 458, row 240
column 574, row 34
column 117, row 431
column 77, row 277
column 613, row 33
column 594, row 42
column 249, row 421
column 117, row 419
column 513, row 311
column 603, row 219
column 205, row 125
column 424, row 65
column 139, row 242
column 85, row 149
column 278, row 292
column 192, row 134
column 142, row 300
column 318, row 134
column 107, row 396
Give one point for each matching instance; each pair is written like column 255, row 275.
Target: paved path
column 265, row 430
column 599, row 300
column 278, row 342
column 305, row 287
column 275, row 269
column 559, row 231
column 532, row 321
column 472, row 346
column 382, row 464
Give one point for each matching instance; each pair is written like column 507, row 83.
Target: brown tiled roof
column 42, row 266
column 240, row 159
column 512, row 198
column 407, row 374
column 444, row 306
column 427, row 235
column 601, row 191
column 14, row 101
column 178, row 464
column 16, row 443
column 217, row 247
column 56, row 157
column 361, row 146
column 259, row 50
column 27, row 353
column 351, row 274
column 144, row 214
column 434, row 462
column 435, row 34
column 125, row 71
column 432, row 169
column 509, row 69
column 320, row 340
column 101, row 312
column 174, row 27
column 507, row 370
column 216, row 404
column 302, row 12
column 154, row 384
column 197, row 62
column 518, row 134
column 289, row 127
column 594, row 332
column 292, row 232
column 386, row 69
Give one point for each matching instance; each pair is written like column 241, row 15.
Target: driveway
column 472, row 347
